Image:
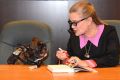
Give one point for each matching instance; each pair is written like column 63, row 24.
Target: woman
column 91, row 43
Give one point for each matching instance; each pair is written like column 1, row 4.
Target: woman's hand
column 62, row 54
column 75, row 61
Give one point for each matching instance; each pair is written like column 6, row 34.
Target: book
column 60, row 68
column 66, row 68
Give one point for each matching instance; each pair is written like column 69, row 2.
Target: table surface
column 22, row 72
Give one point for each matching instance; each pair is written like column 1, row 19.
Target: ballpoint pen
column 59, row 59
column 60, row 49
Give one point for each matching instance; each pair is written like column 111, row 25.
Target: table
column 22, row 72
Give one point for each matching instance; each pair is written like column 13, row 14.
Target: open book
column 66, row 68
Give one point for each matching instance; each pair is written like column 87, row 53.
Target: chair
column 115, row 23
column 21, row 32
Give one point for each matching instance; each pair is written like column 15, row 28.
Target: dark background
column 54, row 13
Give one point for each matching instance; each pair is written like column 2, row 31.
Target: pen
column 60, row 49
column 59, row 59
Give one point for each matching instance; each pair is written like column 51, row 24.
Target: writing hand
column 62, row 54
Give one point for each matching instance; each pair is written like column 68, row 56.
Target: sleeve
column 91, row 63
column 111, row 57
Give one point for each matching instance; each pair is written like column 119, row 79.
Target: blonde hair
column 87, row 10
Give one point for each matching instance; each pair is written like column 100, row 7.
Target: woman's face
column 79, row 24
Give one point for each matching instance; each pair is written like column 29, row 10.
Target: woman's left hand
column 75, row 61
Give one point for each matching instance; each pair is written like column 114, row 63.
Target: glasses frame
column 76, row 22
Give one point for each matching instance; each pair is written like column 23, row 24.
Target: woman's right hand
column 62, row 54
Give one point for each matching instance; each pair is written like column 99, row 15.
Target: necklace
column 87, row 55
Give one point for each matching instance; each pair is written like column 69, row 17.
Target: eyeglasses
column 76, row 22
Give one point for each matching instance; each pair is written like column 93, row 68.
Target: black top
column 107, row 52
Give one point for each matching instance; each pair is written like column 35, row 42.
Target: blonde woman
column 91, row 43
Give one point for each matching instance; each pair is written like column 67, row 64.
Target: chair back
column 21, row 32
column 115, row 23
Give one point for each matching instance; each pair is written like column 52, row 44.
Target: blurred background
column 54, row 13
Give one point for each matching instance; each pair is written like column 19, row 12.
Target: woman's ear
column 89, row 20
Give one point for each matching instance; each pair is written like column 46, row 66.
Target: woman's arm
column 111, row 57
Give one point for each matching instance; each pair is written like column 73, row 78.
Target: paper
column 66, row 68
column 60, row 68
